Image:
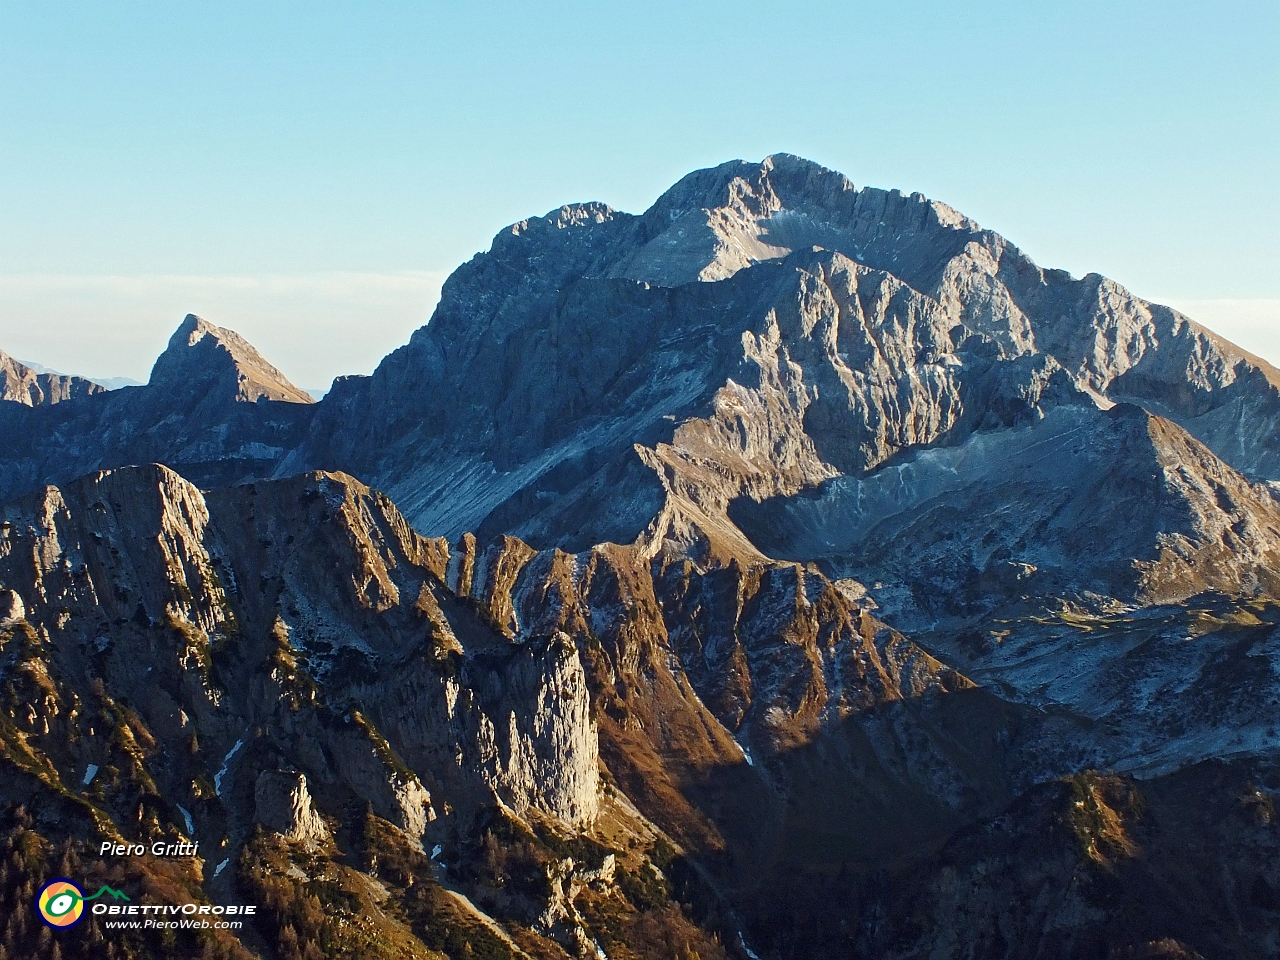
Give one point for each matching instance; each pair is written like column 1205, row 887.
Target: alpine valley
column 795, row 570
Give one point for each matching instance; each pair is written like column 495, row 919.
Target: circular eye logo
column 60, row 903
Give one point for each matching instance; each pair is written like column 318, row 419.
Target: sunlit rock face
column 284, row 805
column 21, row 384
column 259, row 614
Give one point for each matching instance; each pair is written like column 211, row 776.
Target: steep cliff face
column 250, row 623
column 21, row 384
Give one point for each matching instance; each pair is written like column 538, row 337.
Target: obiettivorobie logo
column 60, row 902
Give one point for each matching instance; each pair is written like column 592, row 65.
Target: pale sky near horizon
column 309, row 173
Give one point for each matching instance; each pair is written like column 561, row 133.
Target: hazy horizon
column 312, row 350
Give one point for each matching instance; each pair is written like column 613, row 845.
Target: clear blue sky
column 307, row 173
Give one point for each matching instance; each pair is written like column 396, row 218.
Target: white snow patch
column 90, row 772
column 191, row 829
column 222, row 866
column 217, row 777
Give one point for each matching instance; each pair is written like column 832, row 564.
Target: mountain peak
column 717, row 221
column 32, row 388
column 202, row 353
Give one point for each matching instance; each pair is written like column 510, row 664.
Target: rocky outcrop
column 11, row 606
column 547, row 758
column 284, row 805
column 302, row 590
column 32, row 388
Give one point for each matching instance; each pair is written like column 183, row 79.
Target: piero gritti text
column 157, row 849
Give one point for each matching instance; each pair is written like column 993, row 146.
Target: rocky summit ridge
column 793, row 570
column 22, row 384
